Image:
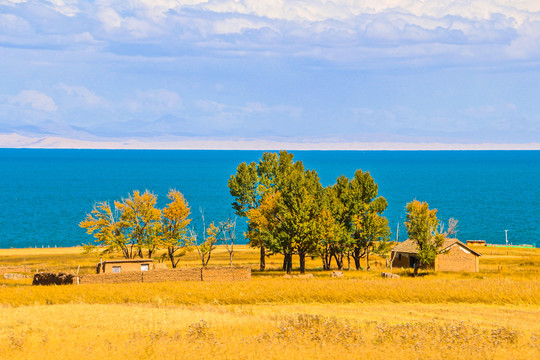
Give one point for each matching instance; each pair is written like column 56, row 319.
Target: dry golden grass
column 310, row 331
column 494, row 260
column 285, row 291
column 491, row 314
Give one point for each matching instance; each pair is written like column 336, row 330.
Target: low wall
column 226, row 273
column 180, row 274
column 11, row 269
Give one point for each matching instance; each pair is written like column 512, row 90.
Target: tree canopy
column 422, row 227
column 136, row 226
column 291, row 213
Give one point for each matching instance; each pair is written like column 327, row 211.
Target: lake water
column 44, row 194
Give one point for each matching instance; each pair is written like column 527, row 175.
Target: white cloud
column 154, row 101
column 34, row 99
column 341, row 31
column 12, row 2
column 109, row 18
column 84, row 95
column 10, row 23
column 235, row 25
column 67, row 8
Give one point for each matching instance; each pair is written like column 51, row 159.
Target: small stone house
column 124, row 265
column 455, row 256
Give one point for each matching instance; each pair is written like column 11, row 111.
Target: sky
column 125, row 72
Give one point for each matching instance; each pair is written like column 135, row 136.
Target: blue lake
column 46, row 193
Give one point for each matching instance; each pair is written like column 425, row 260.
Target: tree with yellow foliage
column 422, row 227
column 137, row 226
column 174, row 223
column 142, row 220
column 209, row 240
column 109, row 231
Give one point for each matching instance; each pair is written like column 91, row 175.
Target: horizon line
column 16, row 141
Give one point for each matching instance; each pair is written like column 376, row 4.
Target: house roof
column 127, row 261
column 409, row 246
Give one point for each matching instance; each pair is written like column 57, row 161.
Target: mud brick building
column 455, row 256
column 124, row 265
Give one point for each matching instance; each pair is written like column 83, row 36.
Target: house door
column 412, row 261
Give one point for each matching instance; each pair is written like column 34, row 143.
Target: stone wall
column 180, row 274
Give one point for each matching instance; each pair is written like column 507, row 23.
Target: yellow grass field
column 492, row 314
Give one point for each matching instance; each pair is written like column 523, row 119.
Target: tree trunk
column 367, row 258
column 324, row 258
column 262, row 259
column 339, row 261
column 329, row 262
column 171, row 257
column 287, row 263
column 302, row 256
column 356, row 257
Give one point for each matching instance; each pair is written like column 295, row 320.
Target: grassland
column 491, row 314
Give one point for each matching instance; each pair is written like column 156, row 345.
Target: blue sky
column 410, row 71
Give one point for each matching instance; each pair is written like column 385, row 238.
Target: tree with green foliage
column 298, row 212
column 422, row 228
column 334, row 240
column 289, row 212
column 373, row 233
column 361, row 213
column 250, row 184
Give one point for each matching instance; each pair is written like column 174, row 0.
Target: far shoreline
column 16, row 141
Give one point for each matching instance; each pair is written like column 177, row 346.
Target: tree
column 262, row 224
column 289, row 212
column 141, row 219
column 373, row 233
column 228, row 237
column 210, row 238
column 285, row 222
column 421, row 227
column 334, row 239
column 251, row 182
column 360, row 204
column 135, row 227
column 298, row 212
column 108, row 231
column 174, row 222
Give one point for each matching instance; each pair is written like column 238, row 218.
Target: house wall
column 400, row 263
column 457, row 259
column 125, row 266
